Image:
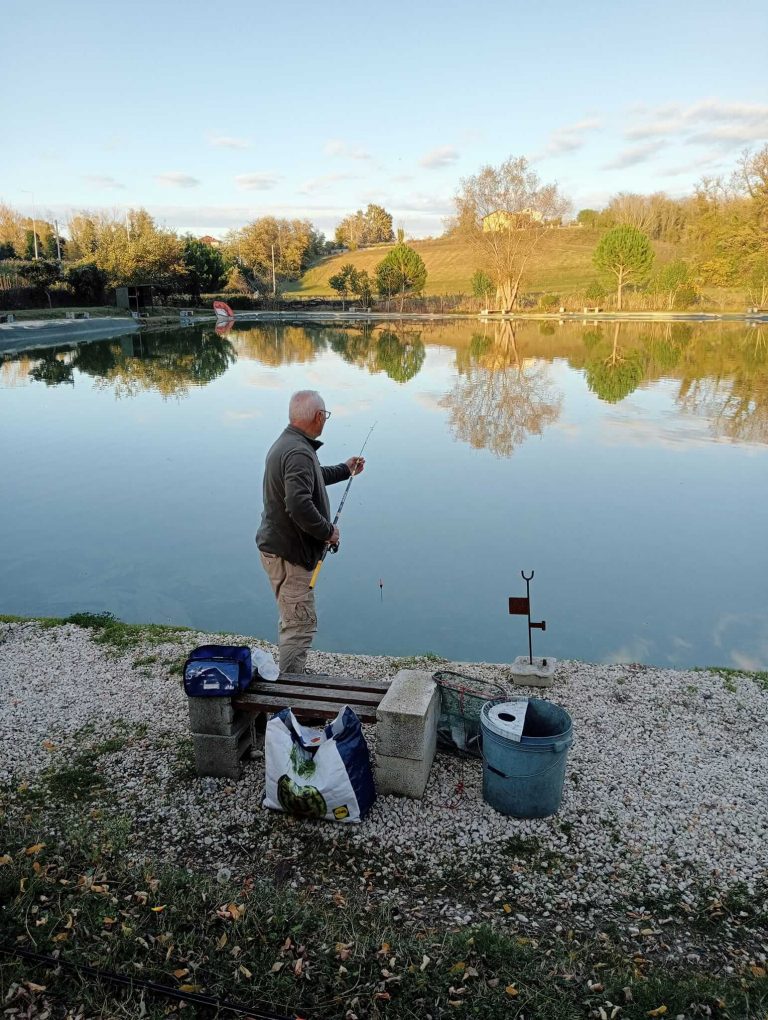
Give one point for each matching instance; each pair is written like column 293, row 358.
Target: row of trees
column 400, row 272
column 105, row 250
column 362, row 229
column 504, row 212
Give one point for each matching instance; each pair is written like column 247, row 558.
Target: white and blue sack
column 318, row 773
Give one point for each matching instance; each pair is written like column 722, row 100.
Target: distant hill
column 563, row 264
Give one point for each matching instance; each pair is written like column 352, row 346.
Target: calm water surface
column 625, row 465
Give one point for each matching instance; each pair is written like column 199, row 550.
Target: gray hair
column 304, row 405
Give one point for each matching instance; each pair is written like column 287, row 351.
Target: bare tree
column 504, row 212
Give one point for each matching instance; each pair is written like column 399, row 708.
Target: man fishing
column 296, row 524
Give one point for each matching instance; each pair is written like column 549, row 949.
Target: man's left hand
column 356, row 465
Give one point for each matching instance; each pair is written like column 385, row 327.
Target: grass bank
column 562, row 265
column 256, row 942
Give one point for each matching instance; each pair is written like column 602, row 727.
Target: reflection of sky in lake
column 644, row 524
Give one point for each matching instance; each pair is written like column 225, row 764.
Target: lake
column 624, row 464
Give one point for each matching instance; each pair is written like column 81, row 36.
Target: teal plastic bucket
column 524, row 777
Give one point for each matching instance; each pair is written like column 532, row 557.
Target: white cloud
column 103, row 181
column 338, row 147
column 316, row 184
column 568, row 138
column 634, row 154
column 175, row 179
column 257, row 182
column 444, row 155
column 229, row 142
column 703, row 123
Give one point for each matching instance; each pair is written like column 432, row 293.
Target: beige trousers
column 296, row 603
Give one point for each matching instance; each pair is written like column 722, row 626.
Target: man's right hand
column 334, row 539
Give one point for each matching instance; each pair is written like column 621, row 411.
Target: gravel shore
column 663, row 829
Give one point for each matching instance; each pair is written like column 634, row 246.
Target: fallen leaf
column 342, row 969
column 157, row 910
column 384, row 996
column 493, row 982
column 181, row 972
column 190, row 988
column 35, row 849
column 33, row 987
column 507, row 908
column 244, row 971
column 511, row 991
column 425, row 962
column 235, row 912
column 5, row 859
column 222, row 941
column 659, row 1011
column 277, row 967
column 455, row 1003
column 457, row 968
column 757, row 971
column 61, row 937
column 49, row 745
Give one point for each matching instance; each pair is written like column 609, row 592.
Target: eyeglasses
column 327, row 414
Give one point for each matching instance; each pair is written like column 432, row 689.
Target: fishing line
column 316, row 571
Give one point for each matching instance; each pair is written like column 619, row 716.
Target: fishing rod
column 153, row 987
column 316, row 571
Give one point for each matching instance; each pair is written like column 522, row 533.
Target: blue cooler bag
column 217, row 671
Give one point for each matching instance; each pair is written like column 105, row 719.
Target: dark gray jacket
column 296, row 520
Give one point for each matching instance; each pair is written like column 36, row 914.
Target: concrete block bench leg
column 406, row 733
column 221, row 737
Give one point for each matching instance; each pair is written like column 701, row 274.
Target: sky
column 211, row 115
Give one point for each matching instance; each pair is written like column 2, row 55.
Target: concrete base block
column 222, row 756
column 404, row 777
column 407, row 716
column 406, row 733
column 540, row 673
column 213, row 715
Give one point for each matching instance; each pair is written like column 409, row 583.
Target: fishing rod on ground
column 333, row 548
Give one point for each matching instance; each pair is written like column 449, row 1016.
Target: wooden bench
column 224, row 731
column 313, row 696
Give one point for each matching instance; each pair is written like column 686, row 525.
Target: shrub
column 549, row 301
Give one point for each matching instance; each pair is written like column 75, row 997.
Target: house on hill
column 212, row 242
column 503, row 220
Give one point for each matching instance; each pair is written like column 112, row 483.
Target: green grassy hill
column 562, row 265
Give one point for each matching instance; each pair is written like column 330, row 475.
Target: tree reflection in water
column 169, row 362
column 732, row 391
column 612, row 373
column 279, row 344
column 500, row 399
column 399, row 354
column 52, row 371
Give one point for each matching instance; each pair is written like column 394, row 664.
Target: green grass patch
column 416, row 661
column 729, row 676
column 108, row 630
column 297, row 952
column 97, row 311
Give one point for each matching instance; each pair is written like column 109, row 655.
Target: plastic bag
column 264, row 664
column 315, row 773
